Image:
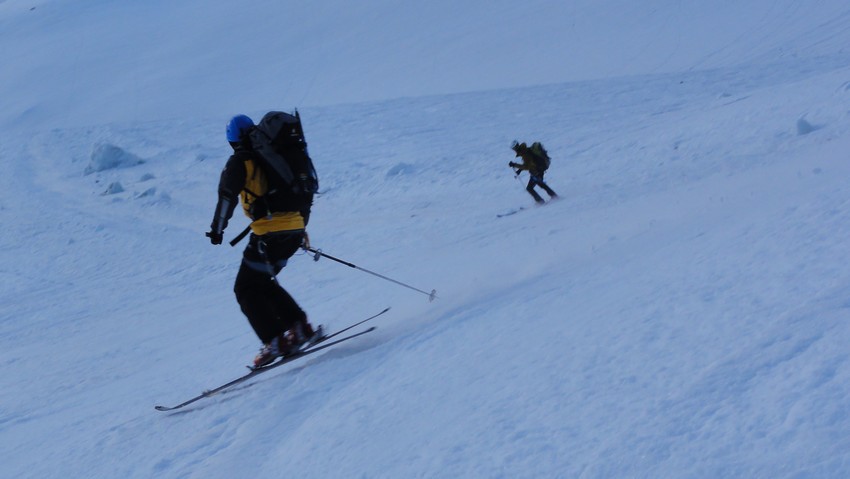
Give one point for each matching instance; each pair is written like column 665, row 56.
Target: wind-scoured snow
column 681, row 311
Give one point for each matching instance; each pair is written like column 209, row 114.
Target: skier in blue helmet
column 277, row 234
column 237, row 127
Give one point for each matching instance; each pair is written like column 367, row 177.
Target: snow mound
column 114, row 188
column 400, row 169
column 108, row 157
column 804, row 127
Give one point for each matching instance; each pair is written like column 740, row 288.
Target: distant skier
column 536, row 161
column 277, row 233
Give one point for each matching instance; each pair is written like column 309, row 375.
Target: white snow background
column 681, row 312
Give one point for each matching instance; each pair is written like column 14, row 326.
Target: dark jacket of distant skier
column 277, row 232
column 535, row 160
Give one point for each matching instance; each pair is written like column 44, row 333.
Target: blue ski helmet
column 237, row 126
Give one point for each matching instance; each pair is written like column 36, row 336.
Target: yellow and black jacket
column 243, row 178
column 529, row 163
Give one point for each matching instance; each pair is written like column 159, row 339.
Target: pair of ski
column 514, row 211
column 319, row 345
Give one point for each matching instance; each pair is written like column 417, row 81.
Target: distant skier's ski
column 316, row 347
column 523, row 208
column 510, row 212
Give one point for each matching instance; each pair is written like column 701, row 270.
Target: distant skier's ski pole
column 317, row 253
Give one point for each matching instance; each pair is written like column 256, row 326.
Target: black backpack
column 278, row 140
column 541, row 156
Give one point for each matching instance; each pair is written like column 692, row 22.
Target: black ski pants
column 536, row 180
column 270, row 308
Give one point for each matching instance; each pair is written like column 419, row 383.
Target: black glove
column 215, row 238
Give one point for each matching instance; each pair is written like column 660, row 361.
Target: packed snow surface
column 681, row 311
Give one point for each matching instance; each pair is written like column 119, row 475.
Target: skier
column 276, row 235
column 535, row 160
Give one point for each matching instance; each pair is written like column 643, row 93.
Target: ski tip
column 162, row 408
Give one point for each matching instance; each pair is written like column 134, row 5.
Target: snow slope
column 681, row 311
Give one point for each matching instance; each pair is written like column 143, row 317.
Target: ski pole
column 240, row 236
column 318, row 254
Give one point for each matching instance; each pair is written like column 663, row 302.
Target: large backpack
column 541, row 156
column 278, row 140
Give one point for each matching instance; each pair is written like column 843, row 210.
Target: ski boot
column 303, row 335
column 281, row 345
